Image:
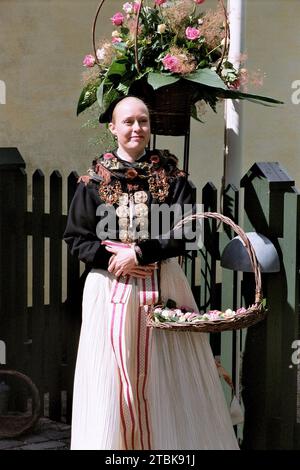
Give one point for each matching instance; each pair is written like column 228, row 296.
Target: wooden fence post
column 269, row 379
column 13, row 262
column 13, row 252
column 229, row 339
column 72, row 307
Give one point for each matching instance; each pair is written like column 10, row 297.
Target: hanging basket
column 170, row 106
column 15, row 424
column 242, row 318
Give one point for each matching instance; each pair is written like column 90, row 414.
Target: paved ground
column 47, row 435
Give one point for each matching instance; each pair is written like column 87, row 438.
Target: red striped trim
column 144, row 386
column 122, row 413
column 145, row 377
column 125, row 375
column 138, row 379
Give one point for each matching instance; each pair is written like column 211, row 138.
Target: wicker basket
column 252, row 315
column 16, row 424
column 170, row 106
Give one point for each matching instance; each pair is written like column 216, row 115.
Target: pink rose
column 116, row 40
column 160, row 2
column 89, row 61
column 192, row 33
column 118, row 19
column 108, row 156
column 171, row 63
column 199, row 1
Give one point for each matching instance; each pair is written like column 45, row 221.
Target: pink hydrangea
column 118, row 19
column 171, row 63
column 192, row 33
column 160, row 2
column 199, row 1
column 214, row 314
column 89, row 61
column 241, row 310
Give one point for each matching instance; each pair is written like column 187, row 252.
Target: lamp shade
column 235, row 255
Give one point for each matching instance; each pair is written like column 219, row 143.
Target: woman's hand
column 123, row 261
column 143, row 271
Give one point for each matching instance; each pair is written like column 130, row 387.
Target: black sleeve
column 159, row 248
column 80, row 233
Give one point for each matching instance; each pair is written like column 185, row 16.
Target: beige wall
column 43, row 44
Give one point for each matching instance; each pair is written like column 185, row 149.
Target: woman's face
column 131, row 126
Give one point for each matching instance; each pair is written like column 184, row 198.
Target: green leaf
column 158, row 80
column 88, row 96
column 100, row 96
column 238, row 95
column 207, row 77
column 118, row 67
column 194, row 114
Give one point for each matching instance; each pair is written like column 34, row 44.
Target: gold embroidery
column 110, row 193
column 159, row 186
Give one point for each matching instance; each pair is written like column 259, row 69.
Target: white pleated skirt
column 187, row 408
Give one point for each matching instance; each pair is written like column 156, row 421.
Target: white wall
column 43, row 44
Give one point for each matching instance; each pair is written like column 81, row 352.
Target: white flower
column 115, row 34
column 128, row 7
column 181, row 319
column 100, row 53
column 200, row 21
column 229, row 312
column 178, row 312
column 161, row 28
column 166, row 314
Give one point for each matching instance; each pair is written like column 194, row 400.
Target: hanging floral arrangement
column 162, row 43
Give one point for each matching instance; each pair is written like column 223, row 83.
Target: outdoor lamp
column 235, row 255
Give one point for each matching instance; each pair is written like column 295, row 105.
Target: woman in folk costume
column 137, row 388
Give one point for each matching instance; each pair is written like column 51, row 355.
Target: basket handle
column 137, row 30
column 135, row 36
column 246, row 242
column 227, row 32
column 94, row 29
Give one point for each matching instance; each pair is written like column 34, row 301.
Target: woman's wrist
column 138, row 254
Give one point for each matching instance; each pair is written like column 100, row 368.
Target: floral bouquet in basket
column 163, row 42
column 169, row 315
